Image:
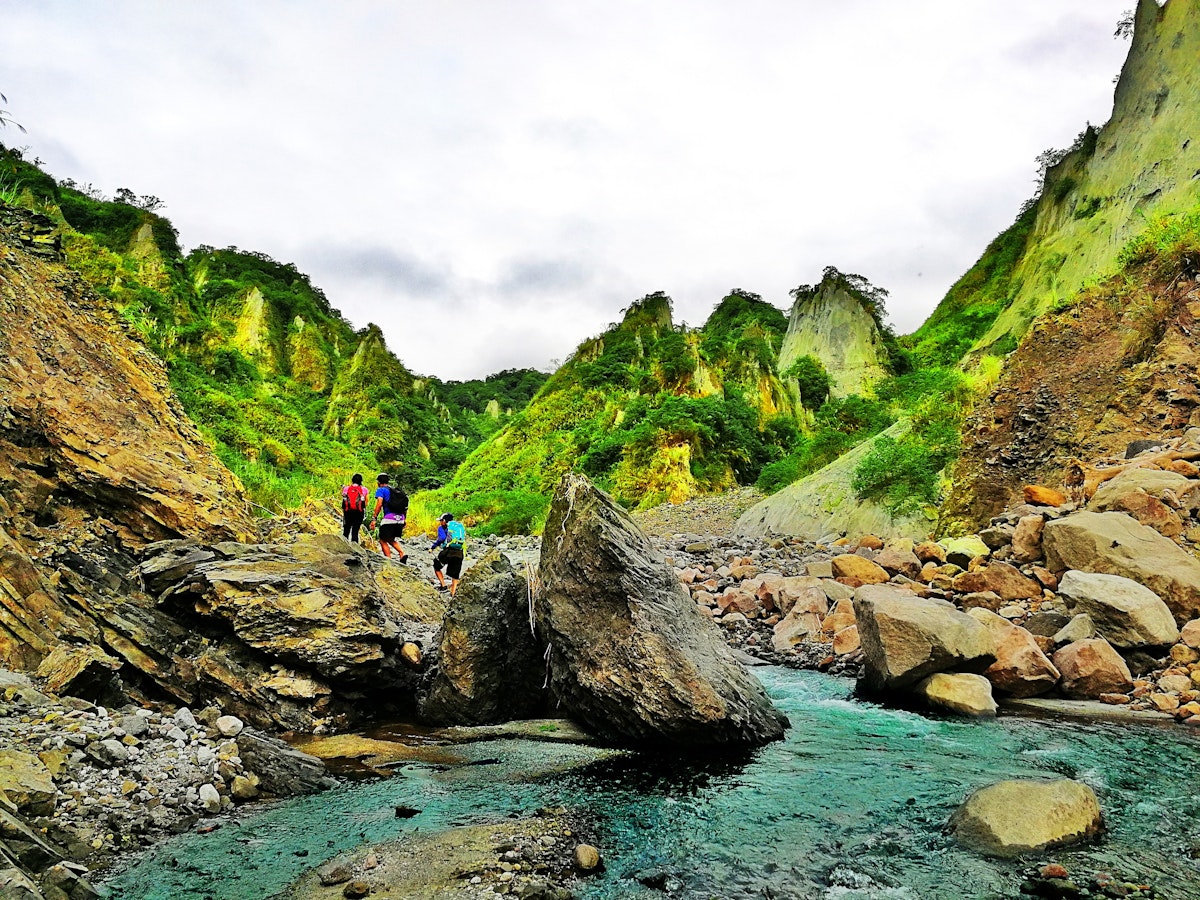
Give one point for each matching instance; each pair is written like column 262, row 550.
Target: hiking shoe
column 440, row 588
column 403, row 560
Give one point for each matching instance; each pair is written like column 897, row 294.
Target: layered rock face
column 834, row 328
column 489, row 665
column 98, row 467
column 88, row 423
column 631, row 658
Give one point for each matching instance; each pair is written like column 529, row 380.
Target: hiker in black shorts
column 452, row 537
column 391, row 511
column 354, row 508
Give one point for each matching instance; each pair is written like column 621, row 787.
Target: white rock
column 229, row 726
column 210, row 798
column 184, row 718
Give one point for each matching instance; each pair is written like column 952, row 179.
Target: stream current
column 852, row 804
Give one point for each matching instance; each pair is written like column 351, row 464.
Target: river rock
column 846, row 640
column 959, row 692
column 1021, row 668
column 898, row 558
column 862, row 570
column 1027, row 539
column 961, row 550
column 229, row 726
column 1125, row 613
column 1009, row 818
column 1090, row 668
column 210, row 799
column 489, row 666
column 1040, row 495
column 1151, row 482
column 795, row 628
column 1114, row 544
column 841, row 616
column 999, row 578
column 905, row 638
column 631, row 658
column 1078, row 628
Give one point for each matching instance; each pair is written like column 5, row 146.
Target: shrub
column 899, row 474
column 814, row 382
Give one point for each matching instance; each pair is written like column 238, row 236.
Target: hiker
column 452, row 537
column 391, row 510
column 354, row 508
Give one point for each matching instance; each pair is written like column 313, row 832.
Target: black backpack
column 396, row 502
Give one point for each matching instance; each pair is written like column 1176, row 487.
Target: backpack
column 354, row 497
column 396, row 502
column 457, row 535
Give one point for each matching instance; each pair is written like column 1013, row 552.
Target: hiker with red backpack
column 354, row 508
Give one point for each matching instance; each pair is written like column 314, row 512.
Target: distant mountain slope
column 1143, row 164
column 294, row 397
column 653, row 411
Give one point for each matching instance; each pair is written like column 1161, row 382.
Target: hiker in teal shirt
column 452, row 538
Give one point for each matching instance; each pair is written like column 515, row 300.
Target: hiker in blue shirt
column 391, row 511
column 452, row 538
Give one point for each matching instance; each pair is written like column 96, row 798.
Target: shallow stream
column 851, row 805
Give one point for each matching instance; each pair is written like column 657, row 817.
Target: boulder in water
column 489, row 666
column 959, row 692
column 631, row 657
column 906, row 637
column 1014, row 817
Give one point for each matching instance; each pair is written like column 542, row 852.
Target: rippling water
column 851, row 805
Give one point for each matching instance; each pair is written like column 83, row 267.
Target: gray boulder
column 631, row 657
column 1014, row 817
column 905, row 638
column 1125, row 613
column 1151, row 481
column 1114, row 544
column 489, row 665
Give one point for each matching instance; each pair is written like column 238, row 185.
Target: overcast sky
column 492, row 182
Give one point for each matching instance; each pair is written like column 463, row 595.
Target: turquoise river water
column 851, row 805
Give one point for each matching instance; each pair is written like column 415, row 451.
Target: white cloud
column 492, row 183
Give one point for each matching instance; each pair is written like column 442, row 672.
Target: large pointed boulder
column 489, row 666
column 631, row 657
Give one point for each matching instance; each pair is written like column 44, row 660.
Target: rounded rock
column 587, row 857
column 229, row 726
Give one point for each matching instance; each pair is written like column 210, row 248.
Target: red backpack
column 354, row 497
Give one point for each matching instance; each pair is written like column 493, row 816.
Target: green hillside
column 1097, row 196
column 292, row 396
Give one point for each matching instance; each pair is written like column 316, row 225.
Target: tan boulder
column 999, row 578
column 959, row 692
column 841, row 617
column 846, row 640
column 1125, row 613
column 899, row 560
column 860, row 569
column 1113, row 543
column 930, row 552
column 793, row 629
column 1013, row 817
column 1152, row 512
column 906, row 637
column 870, row 542
column 1151, row 482
column 1090, row 668
column 736, row 600
column 1027, row 539
column 1190, row 633
column 1040, row 495
column 1021, row 668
